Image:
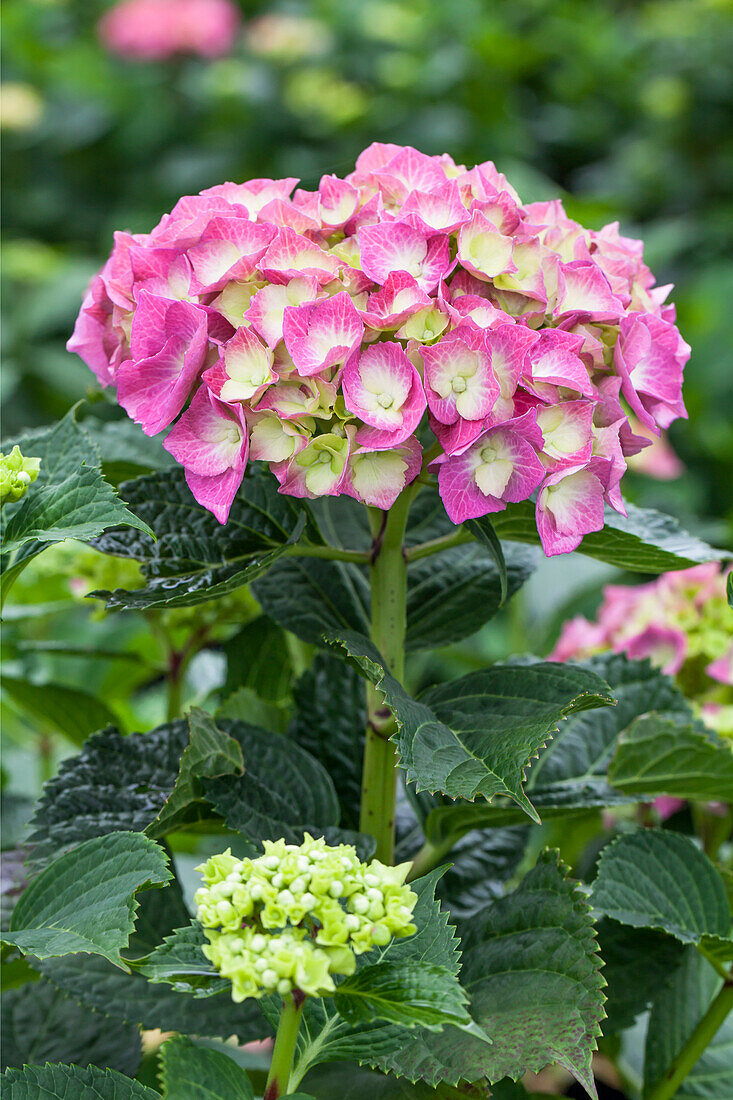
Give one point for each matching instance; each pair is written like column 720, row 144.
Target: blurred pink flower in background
column 151, row 30
column 657, row 460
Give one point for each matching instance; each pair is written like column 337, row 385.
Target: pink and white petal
column 210, row 437
column 216, row 493
column 510, row 345
column 664, row 646
column 322, row 334
column 399, row 299
column 554, row 359
column 290, row 256
column 267, row 310
column 585, row 294
column 229, row 249
column 459, row 492
column 484, row 251
column 567, row 429
column 569, row 506
column 439, row 211
column 377, row 478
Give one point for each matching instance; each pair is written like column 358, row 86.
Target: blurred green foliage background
column 621, row 106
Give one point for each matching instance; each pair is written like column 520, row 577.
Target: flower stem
column 695, row 1047
column 283, row 1052
column 389, row 598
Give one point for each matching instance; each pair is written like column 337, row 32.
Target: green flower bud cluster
column 16, row 474
column 292, row 918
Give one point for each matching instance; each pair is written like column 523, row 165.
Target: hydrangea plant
column 379, row 402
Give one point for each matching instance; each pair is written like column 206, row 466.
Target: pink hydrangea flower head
column 327, row 332
column 152, row 30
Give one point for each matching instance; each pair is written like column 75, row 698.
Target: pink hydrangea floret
column 416, row 303
column 152, row 30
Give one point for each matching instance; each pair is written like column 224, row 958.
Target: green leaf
column 61, row 1082
column 196, row 1073
column 119, row 783
column 41, row 1024
column 645, row 541
column 66, row 710
column 326, row 1037
column 257, row 657
column 345, row 1081
column 531, row 968
column 85, row 901
column 210, row 752
column 570, row 772
column 114, row 784
column 481, row 862
column 125, row 450
column 330, row 723
column 180, row 962
column 311, row 597
column 282, row 793
column 195, row 558
column 69, row 500
column 130, row 997
column 160, row 912
column 482, row 529
column 661, row 880
column 636, row 962
column 408, row 993
column 245, row 705
column 476, row 735
column 673, row 755
column 675, row 1013
column 452, row 594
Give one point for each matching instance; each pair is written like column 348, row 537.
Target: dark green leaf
column 245, row 705
column 196, row 558
column 181, row 963
column 481, row 862
column 210, row 752
column 196, row 1073
column 452, row 594
column 482, row 529
column 257, row 657
column 66, row 710
column 159, row 913
column 675, row 1013
column 85, row 900
column 673, row 755
column 69, row 500
column 645, row 541
column 41, row 1024
column 636, row 963
column 476, row 735
column 312, row 598
column 62, row 1082
column 345, row 1081
column 531, row 968
column 130, row 997
column 330, row 720
column 408, row 993
column 661, row 880
column 282, row 792
column 570, row 773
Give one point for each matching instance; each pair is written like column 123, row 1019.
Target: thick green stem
column 389, row 598
column 696, row 1045
column 283, row 1052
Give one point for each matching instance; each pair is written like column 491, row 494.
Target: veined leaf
column 658, row 879
column 672, row 755
column 180, row 962
column 41, row 1024
column 69, row 499
column 195, row 558
column 85, row 901
column 480, row 864
column 636, row 964
column 408, row 993
column 196, row 1073
column 570, row 773
column 130, row 997
column 483, row 531
column 210, row 752
column 644, row 541
column 330, row 722
column 531, row 968
column 476, row 735
column 62, row 1082
column 311, row 597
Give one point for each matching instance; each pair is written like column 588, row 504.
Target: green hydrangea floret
column 16, row 474
column 298, row 914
